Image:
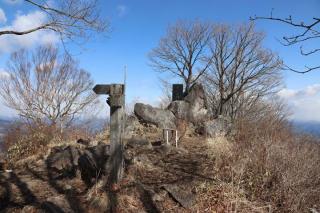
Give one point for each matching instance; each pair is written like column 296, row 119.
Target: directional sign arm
column 102, row 89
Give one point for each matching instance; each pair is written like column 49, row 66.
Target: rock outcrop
column 64, row 159
column 215, row 127
column 92, row 162
column 193, row 107
column 159, row 117
column 180, row 109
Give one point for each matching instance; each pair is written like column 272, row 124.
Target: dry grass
column 266, row 167
column 98, row 197
column 275, row 166
column 23, row 140
column 219, row 147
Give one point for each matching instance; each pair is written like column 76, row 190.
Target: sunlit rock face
column 159, row 117
column 193, row 107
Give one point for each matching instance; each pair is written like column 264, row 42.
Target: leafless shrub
column 277, row 166
column 45, row 87
column 23, row 139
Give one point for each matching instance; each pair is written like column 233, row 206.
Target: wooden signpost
column 116, row 103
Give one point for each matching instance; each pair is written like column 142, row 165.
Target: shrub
column 23, row 139
column 278, row 166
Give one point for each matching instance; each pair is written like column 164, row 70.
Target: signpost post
column 116, row 103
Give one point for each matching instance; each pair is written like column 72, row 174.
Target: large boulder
column 180, row 109
column 216, row 127
column 64, row 159
column 92, row 162
column 159, row 117
column 193, row 107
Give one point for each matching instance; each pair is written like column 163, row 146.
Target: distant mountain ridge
column 3, row 125
column 308, row 126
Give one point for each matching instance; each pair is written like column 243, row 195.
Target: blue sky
column 139, row 24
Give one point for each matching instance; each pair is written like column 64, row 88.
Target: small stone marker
column 116, row 103
column 177, row 92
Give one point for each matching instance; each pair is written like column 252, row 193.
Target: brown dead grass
column 275, row 166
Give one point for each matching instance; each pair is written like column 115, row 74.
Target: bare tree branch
column 183, row 51
column 309, row 32
column 70, row 18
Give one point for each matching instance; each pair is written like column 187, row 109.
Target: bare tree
column 305, row 32
column 183, row 50
column 46, row 87
column 242, row 70
column 69, row 18
column 166, row 96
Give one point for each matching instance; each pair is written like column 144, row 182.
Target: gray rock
column 92, row 162
column 64, row 159
column 89, row 168
column 198, row 111
column 196, row 92
column 215, row 127
column 101, row 151
column 159, row 117
column 193, row 107
column 186, row 199
column 180, row 109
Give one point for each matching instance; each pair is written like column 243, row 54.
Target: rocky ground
column 158, row 178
